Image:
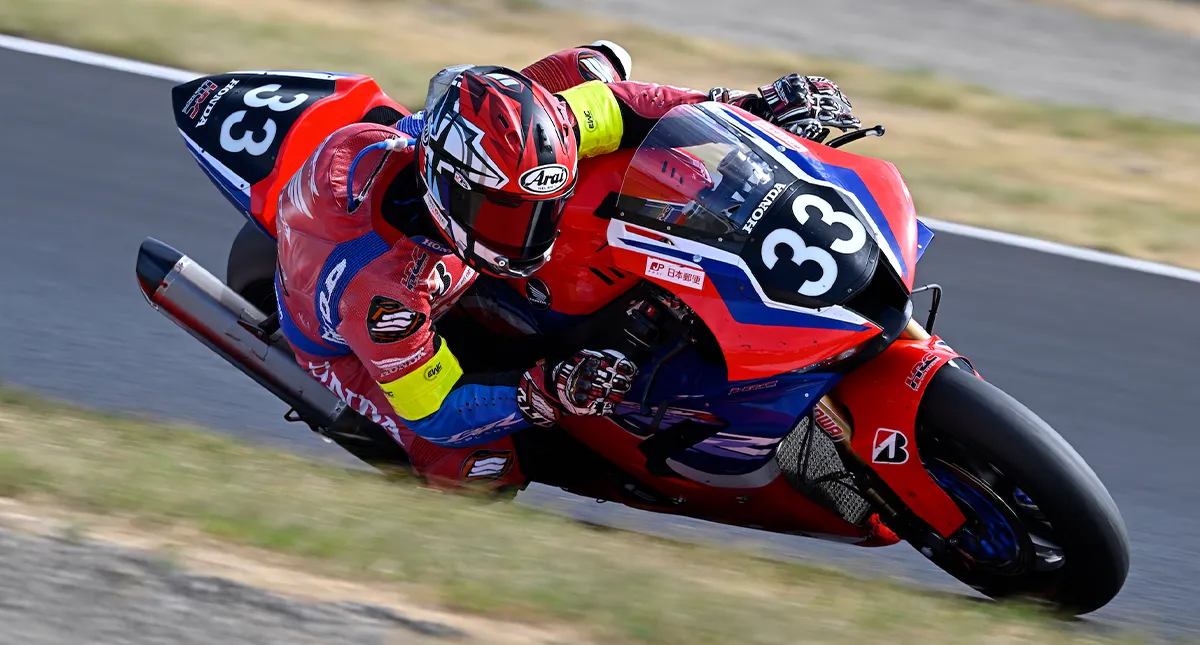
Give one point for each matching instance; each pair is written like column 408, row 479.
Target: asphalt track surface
column 1019, row 47
column 91, row 164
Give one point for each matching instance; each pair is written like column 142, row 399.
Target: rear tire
column 251, row 267
column 1040, row 522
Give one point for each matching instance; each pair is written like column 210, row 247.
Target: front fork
column 879, row 402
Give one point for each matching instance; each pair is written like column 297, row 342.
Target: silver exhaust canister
column 207, row 309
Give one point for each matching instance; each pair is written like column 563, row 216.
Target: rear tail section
column 251, row 131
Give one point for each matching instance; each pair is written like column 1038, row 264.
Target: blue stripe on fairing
column 924, row 237
column 297, row 338
column 239, row 199
column 675, row 253
column 846, row 178
column 357, row 253
column 743, row 303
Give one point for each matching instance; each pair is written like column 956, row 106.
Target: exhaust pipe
column 212, row 313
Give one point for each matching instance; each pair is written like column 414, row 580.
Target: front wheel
column 1039, row 521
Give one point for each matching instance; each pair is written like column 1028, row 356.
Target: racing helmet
column 497, row 160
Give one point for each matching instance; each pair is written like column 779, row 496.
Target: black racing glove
column 586, row 384
column 802, row 105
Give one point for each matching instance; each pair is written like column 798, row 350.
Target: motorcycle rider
column 378, row 238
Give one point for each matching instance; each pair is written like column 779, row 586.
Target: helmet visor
column 518, row 229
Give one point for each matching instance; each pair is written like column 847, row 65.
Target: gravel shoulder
column 67, row 577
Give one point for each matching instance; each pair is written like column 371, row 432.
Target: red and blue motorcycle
column 762, row 282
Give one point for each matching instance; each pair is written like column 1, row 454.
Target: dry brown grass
column 157, row 485
column 1172, row 15
column 1074, row 175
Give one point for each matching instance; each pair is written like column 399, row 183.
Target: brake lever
column 851, row 137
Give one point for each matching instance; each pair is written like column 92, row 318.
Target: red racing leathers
column 363, row 278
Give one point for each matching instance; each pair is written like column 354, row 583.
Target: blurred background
column 1075, row 121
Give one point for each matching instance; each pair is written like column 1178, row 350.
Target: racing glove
column 803, row 105
column 590, row 383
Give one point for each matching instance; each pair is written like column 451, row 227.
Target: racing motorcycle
column 764, row 285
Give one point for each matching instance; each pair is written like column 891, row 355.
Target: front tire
column 1039, row 521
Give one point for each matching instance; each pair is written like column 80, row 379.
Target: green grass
column 461, row 553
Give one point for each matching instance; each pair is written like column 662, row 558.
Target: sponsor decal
column 589, row 120
column 440, row 281
column 534, row 406
column 389, row 366
column 487, row 464
column 328, row 332
column 474, row 433
column 751, row 388
column 430, row 245
column 744, row 445
column 213, row 102
column 461, row 181
column 890, row 447
column 192, row 107
column 677, row 273
column 432, row 371
column 436, row 211
column 389, row 321
column 324, row 373
column 920, row 371
column 763, row 207
column 544, row 180
column 828, row 424
column 538, row 294
column 414, row 269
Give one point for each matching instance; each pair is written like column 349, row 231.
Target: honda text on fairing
column 763, row 285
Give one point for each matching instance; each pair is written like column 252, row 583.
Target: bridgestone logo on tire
column 544, row 180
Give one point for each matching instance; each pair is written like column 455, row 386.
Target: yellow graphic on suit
column 599, row 117
column 420, row 393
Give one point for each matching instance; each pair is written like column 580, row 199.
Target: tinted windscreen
column 700, row 175
column 694, row 173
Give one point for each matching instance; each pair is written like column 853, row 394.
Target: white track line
column 96, row 60
column 1064, row 250
column 987, row 235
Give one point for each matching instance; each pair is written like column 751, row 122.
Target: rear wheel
column 1039, row 521
column 251, row 267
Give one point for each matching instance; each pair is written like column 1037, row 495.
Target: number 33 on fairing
column 244, row 125
column 255, row 99
column 842, row 234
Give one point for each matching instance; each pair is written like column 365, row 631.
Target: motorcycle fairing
column 883, row 397
column 732, row 304
column 714, row 430
column 730, row 456
column 924, row 237
column 251, row 130
column 772, row 505
column 872, row 186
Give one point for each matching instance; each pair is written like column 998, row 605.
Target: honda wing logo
column 891, row 447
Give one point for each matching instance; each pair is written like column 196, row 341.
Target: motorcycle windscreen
column 698, row 176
